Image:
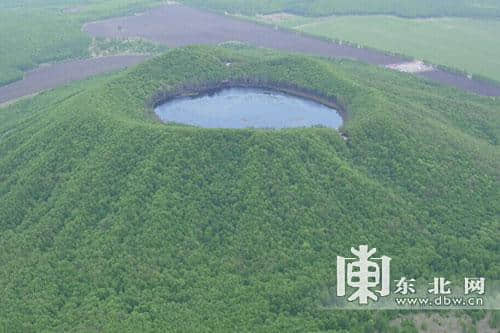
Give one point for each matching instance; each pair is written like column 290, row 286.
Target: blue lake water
column 248, row 108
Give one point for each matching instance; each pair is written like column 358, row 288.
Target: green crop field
column 405, row 8
column 35, row 32
column 457, row 34
column 113, row 222
column 467, row 44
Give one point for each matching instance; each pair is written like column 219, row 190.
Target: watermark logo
column 474, row 285
column 364, row 281
column 364, row 274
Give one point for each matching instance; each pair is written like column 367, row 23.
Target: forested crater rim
column 306, row 107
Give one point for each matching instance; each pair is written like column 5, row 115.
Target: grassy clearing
column 467, row 44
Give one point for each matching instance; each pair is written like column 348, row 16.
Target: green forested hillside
column 112, row 221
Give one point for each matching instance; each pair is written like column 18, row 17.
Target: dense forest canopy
column 112, row 221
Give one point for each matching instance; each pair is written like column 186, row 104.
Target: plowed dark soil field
column 51, row 76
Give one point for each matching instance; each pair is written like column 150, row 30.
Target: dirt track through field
column 178, row 25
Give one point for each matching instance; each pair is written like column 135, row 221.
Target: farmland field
column 467, row 44
column 153, row 31
column 404, row 8
column 51, row 30
column 462, row 35
column 48, row 77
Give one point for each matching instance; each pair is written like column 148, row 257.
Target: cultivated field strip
column 177, row 25
column 52, row 76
